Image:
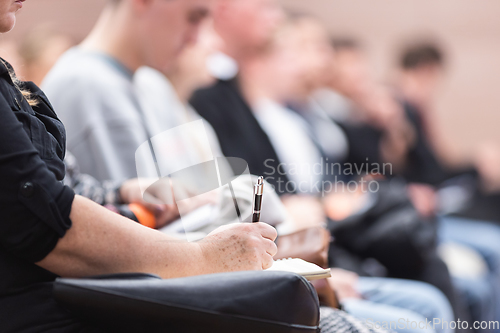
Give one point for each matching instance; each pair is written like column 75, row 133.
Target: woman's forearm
column 103, row 242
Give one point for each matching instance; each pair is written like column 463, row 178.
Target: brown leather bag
column 310, row 244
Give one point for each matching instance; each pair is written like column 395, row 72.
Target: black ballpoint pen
column 258, row 189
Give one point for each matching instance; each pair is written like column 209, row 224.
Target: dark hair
column 421, row 55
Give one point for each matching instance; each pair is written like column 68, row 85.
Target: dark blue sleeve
column 34, row 205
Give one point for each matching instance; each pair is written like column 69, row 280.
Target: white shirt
column 188, row 139
column 288, row 134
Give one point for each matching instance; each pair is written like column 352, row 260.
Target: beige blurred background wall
column 468, row 110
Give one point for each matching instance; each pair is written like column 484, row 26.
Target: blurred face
column 8, row 10
column 316, row 55
column 351, row 74
column 428, row 78
column 247, row 23
column 285, row 69
column 167, row 27
column 192, row 63
column 298, row 60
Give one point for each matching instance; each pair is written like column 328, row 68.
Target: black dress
column 34, row 207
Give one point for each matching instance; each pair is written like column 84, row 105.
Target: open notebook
column 308, row 270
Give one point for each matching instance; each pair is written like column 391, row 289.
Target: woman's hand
column 239, row 247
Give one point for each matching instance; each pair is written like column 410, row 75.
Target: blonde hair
column 28, row 96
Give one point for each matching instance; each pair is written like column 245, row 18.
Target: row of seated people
column 266, row 115
column 272, row 106
column 246, row 125
column 48, row 231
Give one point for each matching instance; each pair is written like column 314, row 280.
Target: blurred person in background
column 372, row 120
column 421, row 69
column 421, row 72
column 106, row 126
column 241, row 41
column 268, row 74
column 351, row 83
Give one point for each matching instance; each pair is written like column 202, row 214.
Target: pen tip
column 260, row 181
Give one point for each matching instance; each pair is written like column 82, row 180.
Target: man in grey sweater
column 92, row 87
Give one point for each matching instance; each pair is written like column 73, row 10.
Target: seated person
column 421, row 69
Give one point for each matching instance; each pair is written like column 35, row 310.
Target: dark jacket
column 239, row 133
column 35, row 208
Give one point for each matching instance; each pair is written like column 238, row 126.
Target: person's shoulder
column 146, row 74
column 78, row 71
column 85, row 90
column 151, row 82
